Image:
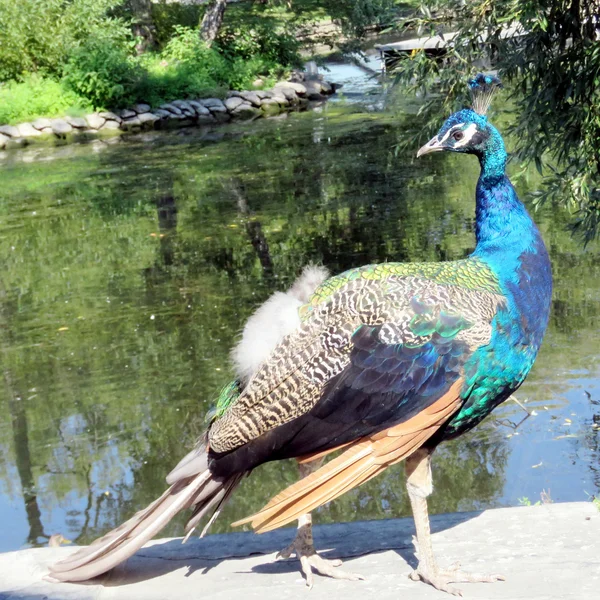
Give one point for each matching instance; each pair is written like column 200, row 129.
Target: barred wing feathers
column 370, row 352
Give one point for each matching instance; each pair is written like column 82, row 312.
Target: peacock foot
column 310, row 561
column 442, row 578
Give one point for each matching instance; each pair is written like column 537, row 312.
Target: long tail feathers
column 362, row 461
column 200, row 491
column 194, row 486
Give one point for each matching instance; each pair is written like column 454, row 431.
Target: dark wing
column 376, row 354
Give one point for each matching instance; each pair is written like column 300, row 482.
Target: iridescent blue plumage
column 510, row 243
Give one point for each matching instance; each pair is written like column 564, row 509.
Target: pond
column 128, row 270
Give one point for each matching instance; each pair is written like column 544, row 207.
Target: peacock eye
column 458, row 135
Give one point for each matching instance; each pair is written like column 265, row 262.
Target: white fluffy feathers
column 272, row 321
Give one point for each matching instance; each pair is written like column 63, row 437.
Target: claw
column 311, row 562
column 440, row 579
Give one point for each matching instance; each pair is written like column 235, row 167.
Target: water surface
column 130, row 268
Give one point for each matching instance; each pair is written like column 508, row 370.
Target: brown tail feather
column 365, row 459
column 121, row 543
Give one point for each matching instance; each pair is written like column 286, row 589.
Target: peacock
column 381, row 363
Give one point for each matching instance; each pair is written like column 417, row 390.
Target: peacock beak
column 433, row 145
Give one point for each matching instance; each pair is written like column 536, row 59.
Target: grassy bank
column 67, row 57
column 84, row 62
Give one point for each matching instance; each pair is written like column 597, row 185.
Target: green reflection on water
column 129, row 270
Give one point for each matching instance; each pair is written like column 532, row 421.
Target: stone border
column 246, row 105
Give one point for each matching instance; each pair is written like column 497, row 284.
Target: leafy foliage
column 168, row 16
column 38, row 35
column 89, row 56
column 553, row 69
column 38, row 97
column 102, row 71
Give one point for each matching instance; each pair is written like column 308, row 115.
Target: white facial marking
column 450, row 131
column 469, row 132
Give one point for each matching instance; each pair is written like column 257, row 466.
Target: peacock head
column 468, row 130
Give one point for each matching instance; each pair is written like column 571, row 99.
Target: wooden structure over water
column 435, row 46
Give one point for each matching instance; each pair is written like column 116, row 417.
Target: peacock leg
column 304, row 548
column 419, row 485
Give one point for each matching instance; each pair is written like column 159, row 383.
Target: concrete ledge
column 545, row 552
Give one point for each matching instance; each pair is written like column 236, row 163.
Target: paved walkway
column 549, row 552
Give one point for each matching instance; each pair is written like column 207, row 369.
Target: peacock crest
column 483, row 89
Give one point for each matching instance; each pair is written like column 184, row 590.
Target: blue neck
column 510, row 243
column 502, row 222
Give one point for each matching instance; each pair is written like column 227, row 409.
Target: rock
column 163, row 114
column 218, row 109
column 10, row 131
column 297, row 75
column 183, row 105
column 47, row 130
column 232, row 103
column 40, row 124
column 263, row 94
column 245, row 111
column 234, row 94
column 278, row 116
column 141, row 109
column 172, row 109
column 313, row 90
column 258, row 83
column 270, row 106
column 299, row 88
column 206, row 119
column 14, row 143
column 281, row 99
column 210, row 102
column 222, row 117
column 76, row 122
column 3, row 140
column 60, row 127
column 131, row 124
column 147, row 119
column 95, row 121
column 27, row 130
column 110, row 116
column 189, row 112
column 288, row 92
column 326, row 88
column 128, row 114
column 110, row 125
column 199, row 108
column 251, row 97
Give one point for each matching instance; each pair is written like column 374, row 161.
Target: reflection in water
column 166, row 210
column 128, row 273
column 253, row 227
column 18, row 416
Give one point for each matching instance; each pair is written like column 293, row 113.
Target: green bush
column 167, row 16
column 163, row 83
column 102, row 70
column 84, row 54
column 187, row 47
column 262, row 38
column 38, row 97
column 244, row 71
column 186, row 68
column 38, row 35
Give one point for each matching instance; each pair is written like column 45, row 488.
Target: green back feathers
column 226, row 397
column 471, row 274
